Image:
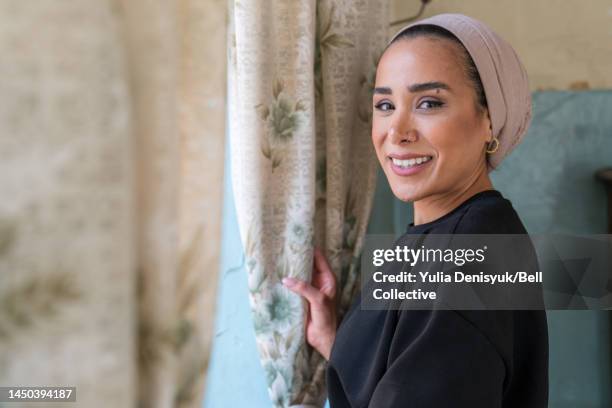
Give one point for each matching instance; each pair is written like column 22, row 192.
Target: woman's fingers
column 321, row 321
column 321, row 262
column 323, row 276
column 312, row 294
column 323, row 283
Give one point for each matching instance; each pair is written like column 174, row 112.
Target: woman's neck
column 432, row 207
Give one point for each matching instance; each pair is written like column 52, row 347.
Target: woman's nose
column 402, row 132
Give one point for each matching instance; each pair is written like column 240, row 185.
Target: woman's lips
column 411, row 169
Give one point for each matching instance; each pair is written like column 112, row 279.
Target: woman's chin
column 406, row 195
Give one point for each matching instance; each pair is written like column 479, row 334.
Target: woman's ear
column 487, row 125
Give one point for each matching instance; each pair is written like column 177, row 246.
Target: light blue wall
column 549, row 179
column 235, row 377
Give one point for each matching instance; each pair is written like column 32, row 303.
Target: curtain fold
column 303, row 165
column 178, row 100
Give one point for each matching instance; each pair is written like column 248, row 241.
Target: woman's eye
column 384, row 106
column 429, row 104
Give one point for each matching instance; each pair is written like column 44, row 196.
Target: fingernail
column 288, row 281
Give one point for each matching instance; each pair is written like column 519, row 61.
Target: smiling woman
column 451, row 99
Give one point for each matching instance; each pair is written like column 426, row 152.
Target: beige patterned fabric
column 111, row 145
column 178, row 107
column 303, row 165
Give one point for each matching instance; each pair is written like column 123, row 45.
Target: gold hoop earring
column 493, row 150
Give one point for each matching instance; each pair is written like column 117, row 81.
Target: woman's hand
column 321, row 321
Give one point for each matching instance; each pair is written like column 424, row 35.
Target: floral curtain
column 113, row 125
column 303, row 166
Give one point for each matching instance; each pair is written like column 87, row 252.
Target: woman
column 451, row 100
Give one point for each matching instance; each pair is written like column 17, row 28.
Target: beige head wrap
column 502, row 74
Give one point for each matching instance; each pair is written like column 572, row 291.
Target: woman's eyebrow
column 425, row 86
column 383, row 90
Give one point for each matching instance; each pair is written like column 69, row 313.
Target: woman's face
column 428, row 134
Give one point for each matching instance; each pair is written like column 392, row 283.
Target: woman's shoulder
column 493, row 214
column 487, row 212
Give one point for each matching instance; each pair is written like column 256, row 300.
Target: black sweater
column 444, row 358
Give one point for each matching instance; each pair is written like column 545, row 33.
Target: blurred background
column 122, row 269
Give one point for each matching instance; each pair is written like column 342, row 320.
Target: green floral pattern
column 282, row 117
column 309, row 123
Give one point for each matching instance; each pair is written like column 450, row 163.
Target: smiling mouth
column 407, row 163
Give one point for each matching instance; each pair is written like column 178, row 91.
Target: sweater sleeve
column 440, row 359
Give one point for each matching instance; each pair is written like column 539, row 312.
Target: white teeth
column 410, row 162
